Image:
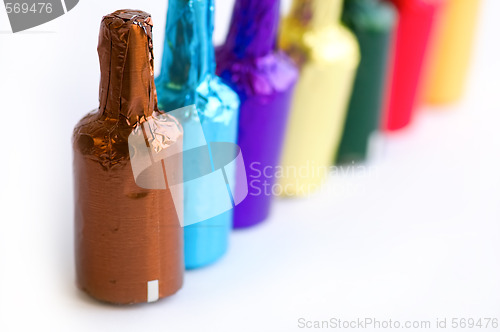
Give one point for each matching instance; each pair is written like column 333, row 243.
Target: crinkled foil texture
column 188, row 65
column 188, row 78
column 253, row 28
column 264, row 79
column 267, row 75
column 125, row 236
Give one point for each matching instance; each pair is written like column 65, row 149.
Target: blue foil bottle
column 188, row 78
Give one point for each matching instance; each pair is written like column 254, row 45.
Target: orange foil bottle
column 128, row 239
column 452, row 51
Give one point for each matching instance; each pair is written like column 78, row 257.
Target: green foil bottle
column 374, row 23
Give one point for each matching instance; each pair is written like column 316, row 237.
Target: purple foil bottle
column 264, row 79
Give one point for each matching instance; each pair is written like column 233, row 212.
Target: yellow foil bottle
column 452, row 51
column 327, row 54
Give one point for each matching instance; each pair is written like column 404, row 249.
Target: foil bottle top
column 362, row 3
column 127, row 90
column 189, row 55
column 418, row 4
column 316, row 14
column 254, row 27
column 376, row 15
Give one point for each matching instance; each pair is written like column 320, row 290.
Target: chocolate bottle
column 129, row 240
column 264, row 78
column 188, row 78
column 450, row 56
column 328, row 55
column 416, row 29
column 373, row 22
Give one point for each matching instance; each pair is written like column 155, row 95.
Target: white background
column 416, row 239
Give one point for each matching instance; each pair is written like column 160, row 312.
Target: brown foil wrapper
column 129, row 241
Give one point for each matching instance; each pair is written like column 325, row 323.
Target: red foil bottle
column 417, row 22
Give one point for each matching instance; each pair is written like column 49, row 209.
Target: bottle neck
column 417, row 3
column 188, row 55
column 361, row 3
column 127, row 90
column 315, row 14
column 254, row 28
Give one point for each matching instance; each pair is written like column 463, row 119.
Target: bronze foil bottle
column 128, row 239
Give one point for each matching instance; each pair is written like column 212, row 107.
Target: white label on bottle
column 153, row 291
